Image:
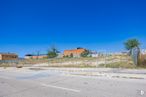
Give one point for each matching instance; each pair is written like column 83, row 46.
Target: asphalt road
column 47, row 83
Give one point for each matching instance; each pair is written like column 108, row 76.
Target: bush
column 71, row 55
column 52, row 54
column 66, row 56
column 85, row 53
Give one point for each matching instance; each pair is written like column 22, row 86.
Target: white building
column 143, row 51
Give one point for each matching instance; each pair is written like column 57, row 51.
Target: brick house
column 8, row 56
column 74, row 52
column 41, row 56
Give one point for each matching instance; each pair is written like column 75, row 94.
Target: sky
column 28, row 26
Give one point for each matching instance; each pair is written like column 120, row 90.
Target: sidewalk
column 94, row 72
column 102, row 72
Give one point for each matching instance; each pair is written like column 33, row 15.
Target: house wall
column 8, row 57
column 28, row 57
column 41, row 57
column 76, row 52
column 36, row 57
column 94, row 55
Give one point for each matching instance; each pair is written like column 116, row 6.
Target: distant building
column 31, row 56
column 93, row 54
column 59, row 55
column 143, row 51
column 8, row 56
column 74, row 52
column 119, row 53
column 28, row 56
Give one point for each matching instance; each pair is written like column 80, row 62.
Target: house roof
column 36, row 55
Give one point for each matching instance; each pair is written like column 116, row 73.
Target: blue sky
column 27, row 26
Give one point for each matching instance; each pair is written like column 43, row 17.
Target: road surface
column 55, row 83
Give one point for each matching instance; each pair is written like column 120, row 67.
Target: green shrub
column 85, row 53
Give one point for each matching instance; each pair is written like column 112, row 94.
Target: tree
column 133, row 46
column 85, row 53
column 130, row 44
column 71, row 55
column 66, row 56
column 52, row 53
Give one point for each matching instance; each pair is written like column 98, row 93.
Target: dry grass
column 122, row 62
column 73, row 66
column 5, row 65
column 129, row 65
column 118, row 65
column 59, row 60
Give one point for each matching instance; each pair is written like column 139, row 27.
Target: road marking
column 52, row 86
column 63, row 88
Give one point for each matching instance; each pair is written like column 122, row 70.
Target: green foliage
column 85, row 53
column 131, row 43
column 71, row 55
column 66, row 56
column 52, row 53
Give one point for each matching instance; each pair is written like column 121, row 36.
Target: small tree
column 71, row 55
column 85, row 53
column 65, row 56
column 52, row 53
column 130, row 44
column 133, row 46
